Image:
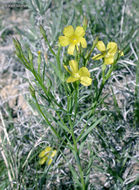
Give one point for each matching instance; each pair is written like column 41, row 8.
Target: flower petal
column 53, row 153
column 68, row 31
column 48, row 149
column 73, row 66
column 43, row 160
column 83, row 72
column 109, row 60
column 63, row 40
column 42, row 154
column 79, row 31
column 121, row 53
column 49, row 161
column 72, row 79
column 65, row 66
column 71, row 49
column 45, row 151
column 86, row 81
column 83, row 42
column 101, row 46
column 112, row 47
column 98, row 56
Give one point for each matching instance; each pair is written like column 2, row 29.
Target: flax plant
column 72, row 75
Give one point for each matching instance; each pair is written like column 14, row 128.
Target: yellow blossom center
column 76, row 75
column 74, row 39
column 107, row 54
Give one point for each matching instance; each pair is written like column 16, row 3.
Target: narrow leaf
column 91, row 127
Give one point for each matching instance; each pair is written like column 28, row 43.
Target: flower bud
column 17, row 44
column 43, row 32
column 30, row 55
column 85, row 22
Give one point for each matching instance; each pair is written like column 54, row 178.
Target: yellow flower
column 46, row 155
column 73, row 38
column 81, row 74
column 107, row 53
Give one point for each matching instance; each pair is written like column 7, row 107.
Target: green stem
column 45, row 90
column 73, row 136
column 105, row 79
column 58, row 60
column 76, row 98
column 77, row 157
column 38, row 78
column 47, row 121
column 46, row 40
column 109, row 72
column 90, row 52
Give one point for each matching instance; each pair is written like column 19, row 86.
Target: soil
column 12, row 85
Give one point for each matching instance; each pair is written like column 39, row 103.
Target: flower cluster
column 81, row 74
column 47, row 156
column 74, row 39
column 108, row 53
